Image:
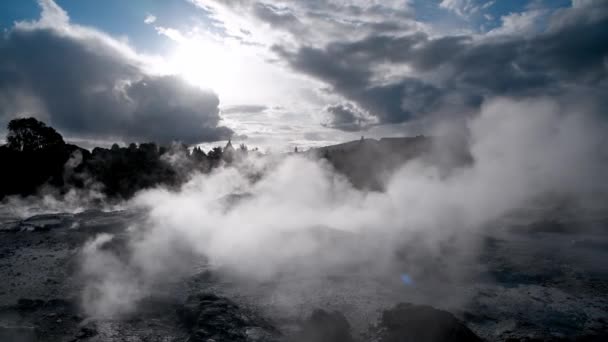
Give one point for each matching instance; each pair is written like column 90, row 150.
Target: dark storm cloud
column 275, row 16
column 348, row 70
column 344, row 117
column 462, row 70
column 168, row 109
column 245, row 109
column 88, row 88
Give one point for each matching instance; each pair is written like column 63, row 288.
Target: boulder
column 17, row 333
column 208, row 317
column 421, row 323
column 323, row 326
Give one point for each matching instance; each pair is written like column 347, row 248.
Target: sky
column 280, row 74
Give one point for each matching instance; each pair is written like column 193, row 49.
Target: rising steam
column 303, row 217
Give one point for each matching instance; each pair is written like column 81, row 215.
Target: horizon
column 91, row 144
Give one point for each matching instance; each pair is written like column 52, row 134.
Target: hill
column 367, row 163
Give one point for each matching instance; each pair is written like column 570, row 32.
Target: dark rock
column 58, row 303
column 212, row 318
column 324, row 326
column 87, row 331
column 10, row 227
column 17, row 333
column 421, row 323
column 188, row 313
column 46, row 222
column 25, row 304
column 602, row 337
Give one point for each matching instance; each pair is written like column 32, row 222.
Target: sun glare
column 237, row 73
column 205, row 64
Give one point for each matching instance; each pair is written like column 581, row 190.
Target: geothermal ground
column 536, row 279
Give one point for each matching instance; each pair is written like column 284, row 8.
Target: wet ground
column 546, row 280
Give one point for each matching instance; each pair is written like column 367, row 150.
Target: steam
column 301, row 216
column 50, row 199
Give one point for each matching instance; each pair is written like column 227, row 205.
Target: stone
column 421, row 323
column 323, row 326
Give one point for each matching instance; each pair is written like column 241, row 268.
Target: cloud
column 346, row 117
column 88, row 85
column 586, row 3
column 460, row 71
column 461, row 7
column 307, row 21
column 347, row 68
column 244, row 109
column 527, row 22
column 378, row 57
column 275, row 16
column 150, row 19
column 466, row 8
column 51, row 15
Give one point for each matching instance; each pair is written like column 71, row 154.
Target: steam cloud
column 303, row 217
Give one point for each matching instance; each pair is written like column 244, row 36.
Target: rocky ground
column 541, row 282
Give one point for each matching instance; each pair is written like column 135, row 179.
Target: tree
column 215, row 153
column 149, row 149
column 29, row 134
column 198, row 154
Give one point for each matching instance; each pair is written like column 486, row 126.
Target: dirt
column 533, row 285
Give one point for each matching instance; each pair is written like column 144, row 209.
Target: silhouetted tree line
column 36, row 155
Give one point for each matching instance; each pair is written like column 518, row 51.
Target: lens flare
column 407, row 280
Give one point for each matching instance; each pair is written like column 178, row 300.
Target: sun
column 238, row 73
column 205, row 63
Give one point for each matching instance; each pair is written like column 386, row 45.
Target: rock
column 212, row 318
column 10, row 227
column 257, row 334
column 25, row 304
column 602, row 337
column 46, row 222
column 324, row 326
column 17, row 333
column 420, row 323
column 5, row 253
column 593, row 338
column 87, row 331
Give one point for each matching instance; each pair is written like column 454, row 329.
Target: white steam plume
column 303, row 217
